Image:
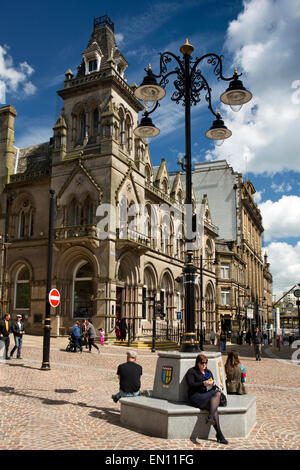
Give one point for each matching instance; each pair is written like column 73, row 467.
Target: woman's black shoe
column 221, row 439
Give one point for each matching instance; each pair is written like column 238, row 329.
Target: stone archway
column 210, row 313
column 167, row 283
column 77, row 275
column 150, row 282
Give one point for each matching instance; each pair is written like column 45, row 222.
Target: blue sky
column 39, row 41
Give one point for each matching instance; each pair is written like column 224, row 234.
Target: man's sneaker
column 114, row 398
column 19, row 357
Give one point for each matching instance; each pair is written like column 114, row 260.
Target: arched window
column 122, row 127
column 165, row 186
column 88, row 212
column 31, row 223
column 149, row 288
column 82, row 125
column 22, row 289
column 180, row 197
column 147, row 221
column 95, row 121
column 167, row 288
column 21, row 226
column 148, row 173
column 83, row 290
column 128, row 136
column 73, row 213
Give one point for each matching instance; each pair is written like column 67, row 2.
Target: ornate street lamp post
column 189, row 83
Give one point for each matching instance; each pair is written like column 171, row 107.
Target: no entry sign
column 54, row 298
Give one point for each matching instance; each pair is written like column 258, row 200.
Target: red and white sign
column 54, row 298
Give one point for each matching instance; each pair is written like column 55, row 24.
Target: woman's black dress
column 197, row 393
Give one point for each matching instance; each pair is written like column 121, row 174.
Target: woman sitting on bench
column 202, row 393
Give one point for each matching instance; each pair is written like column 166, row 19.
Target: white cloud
column 264, row 41
column 119, row 38
column 2, row 92
column 281, row 218
column 284, row 262
column 281, row 188
column 29, row 88
column 258, row 196
column 14, row 79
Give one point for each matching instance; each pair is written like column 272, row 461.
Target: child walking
column 102, row 336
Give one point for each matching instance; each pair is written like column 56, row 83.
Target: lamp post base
column 190, row 344
column 45, row 366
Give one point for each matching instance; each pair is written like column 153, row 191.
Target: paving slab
column 69, row 407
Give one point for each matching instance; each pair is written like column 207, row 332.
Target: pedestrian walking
column 118, row 330
column 265, row 336
column 5, row 330
column 203, row 394
column 129, row 377
column 235, row 374
column 212, row 336
column 76, row 336
column 222, row 340
column 91, row 334
column 102, row 336
column 248, row 337
column 84, row 338
column 18, row 330
column 240, row 337
column 258, row 342
column 123, row 329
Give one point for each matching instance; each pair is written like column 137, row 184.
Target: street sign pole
column 297, row 294
column 47, row 325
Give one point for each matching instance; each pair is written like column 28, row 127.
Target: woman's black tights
column 213, row 411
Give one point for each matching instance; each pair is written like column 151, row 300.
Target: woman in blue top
column 202, row 393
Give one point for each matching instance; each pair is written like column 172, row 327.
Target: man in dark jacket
column 18, row 330
column 5, row 330
column 258, row 342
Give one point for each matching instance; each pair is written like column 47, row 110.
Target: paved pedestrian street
column 70, row 406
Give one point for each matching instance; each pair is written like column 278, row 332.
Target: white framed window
column 93, row 65
column 225, row 270
column 225, row 296
column 22, row 289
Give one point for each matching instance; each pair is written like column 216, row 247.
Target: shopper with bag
column 203, row 393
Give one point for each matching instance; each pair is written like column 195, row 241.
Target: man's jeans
column 223, row 346
column 122, row 394
column 257, row 349
column 4, row 346
column 18, row 345
column 77, row 343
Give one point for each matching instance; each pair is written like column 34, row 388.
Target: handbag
column 223, row 398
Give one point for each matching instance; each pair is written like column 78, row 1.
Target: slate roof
column 32, row 158
column 104, row 37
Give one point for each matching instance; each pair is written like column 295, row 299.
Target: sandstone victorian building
column 244, row 281
column 95, row 159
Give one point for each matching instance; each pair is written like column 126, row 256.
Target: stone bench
column 170, row 420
